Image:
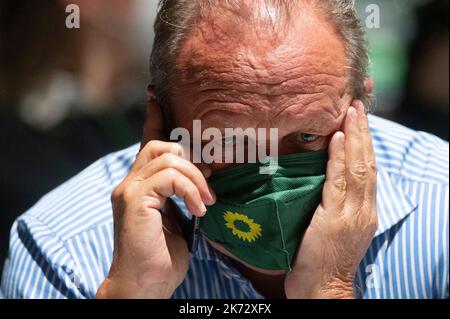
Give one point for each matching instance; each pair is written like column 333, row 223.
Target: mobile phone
column 189, row 224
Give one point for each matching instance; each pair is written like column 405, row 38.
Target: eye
column 306, row 138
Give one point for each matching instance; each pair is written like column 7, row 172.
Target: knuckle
column 153, row 148
column 120, row 196
column 152, row 145
column 148, row 148
column 372, row 166
column 358, row 169
column 339, row 183
column 118, row 193
column 171, row 173
column 127, row 195
column 170, row 159
column 146, row 151
column 338, row 163
column 192, row 192
column 366, row 130
column 176, row 149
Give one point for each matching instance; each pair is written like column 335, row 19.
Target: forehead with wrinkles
column 266, row 66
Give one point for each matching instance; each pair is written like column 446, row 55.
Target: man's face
column 237, row 76
column 294, row 79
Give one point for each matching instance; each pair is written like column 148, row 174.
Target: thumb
column 154, row 123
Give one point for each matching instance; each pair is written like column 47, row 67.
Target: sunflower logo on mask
column 243, row 227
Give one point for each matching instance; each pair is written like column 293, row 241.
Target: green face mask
column 260, row 218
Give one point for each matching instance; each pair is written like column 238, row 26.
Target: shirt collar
column 206, row 252
column 393, row 204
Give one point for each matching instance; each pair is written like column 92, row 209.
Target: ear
column 151, row 93
column 154, row 125
column 368, row 85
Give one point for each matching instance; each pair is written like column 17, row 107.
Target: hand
column 150, row 258
column 345, row 222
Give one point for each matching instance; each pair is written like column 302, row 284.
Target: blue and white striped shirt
column 62, row 247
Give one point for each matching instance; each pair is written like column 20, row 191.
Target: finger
column 154, row 123
column 334, row 187
column 154, row 149
column 355, row 163
column 168, row 160
column 170, row 182
column 370, row 193
column 369, row 86
column 363, row 124
column 205, row 169
column 207, row 172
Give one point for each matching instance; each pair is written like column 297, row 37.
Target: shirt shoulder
column 83, row 202
column 408, row 154
column 64, row 242
column 409, row 252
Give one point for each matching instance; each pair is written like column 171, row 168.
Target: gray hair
column 175, row 19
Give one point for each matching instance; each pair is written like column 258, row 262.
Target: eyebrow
column 324, row 126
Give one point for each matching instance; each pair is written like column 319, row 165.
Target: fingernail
column 212, row 196
column 177, row 150
column 352, row 112
column 360, row 107
column 202, row 208
column 339, row 135
column 181, row 152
